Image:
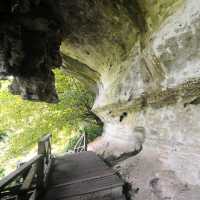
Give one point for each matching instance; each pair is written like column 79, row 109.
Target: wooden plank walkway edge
column 84, row 180
column 85, row 177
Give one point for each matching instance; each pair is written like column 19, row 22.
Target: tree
column 25, row 122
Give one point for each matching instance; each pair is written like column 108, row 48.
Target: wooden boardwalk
column 82, row 176
column 76, row 176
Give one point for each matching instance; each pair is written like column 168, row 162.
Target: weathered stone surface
column 159, row 91
column 30, row 38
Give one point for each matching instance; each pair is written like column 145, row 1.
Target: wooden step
column 83, row 176
column 85, row 187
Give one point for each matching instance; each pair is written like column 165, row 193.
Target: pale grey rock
column 168, row 167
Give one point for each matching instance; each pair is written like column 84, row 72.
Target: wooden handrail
column 32, row 174
column 45, row 138
column 8, row 179
column 44, row 145
column 29, row 178
column 44, row 148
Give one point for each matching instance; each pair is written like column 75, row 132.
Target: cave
column 141, row 59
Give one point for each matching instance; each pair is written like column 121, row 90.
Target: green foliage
column 25, row 122
column 3, row 135
column 92, row 131
column 2, row 172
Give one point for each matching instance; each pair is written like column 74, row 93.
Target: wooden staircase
column 76, row 176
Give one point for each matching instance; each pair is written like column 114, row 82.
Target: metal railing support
column 81, row 144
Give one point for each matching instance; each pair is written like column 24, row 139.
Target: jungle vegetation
column 23, row 122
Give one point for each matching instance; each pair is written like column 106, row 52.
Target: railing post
column 44, row 165
column 40, row 167
column 85, row 141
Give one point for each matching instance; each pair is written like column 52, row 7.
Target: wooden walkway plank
column 83, row 188
column 77, row 167
column 82, row 176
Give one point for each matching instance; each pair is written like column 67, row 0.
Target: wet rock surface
column 30, row 38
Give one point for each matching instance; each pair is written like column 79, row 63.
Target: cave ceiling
column 84, row 37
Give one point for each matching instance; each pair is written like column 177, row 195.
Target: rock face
column 142, row 60
column 153, row 102
column 30, row 39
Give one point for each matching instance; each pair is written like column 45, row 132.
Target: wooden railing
column 44, row 148
column 81, row 145
column 30, row 179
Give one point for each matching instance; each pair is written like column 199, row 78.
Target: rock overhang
column 99, row 35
